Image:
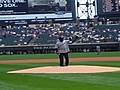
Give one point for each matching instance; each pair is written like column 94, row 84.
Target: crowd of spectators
column 47, row 34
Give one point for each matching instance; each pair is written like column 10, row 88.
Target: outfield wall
column 36, row 49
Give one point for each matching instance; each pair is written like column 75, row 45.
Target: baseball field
column 60, row 81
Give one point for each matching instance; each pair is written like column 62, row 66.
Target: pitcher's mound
column 68, row 69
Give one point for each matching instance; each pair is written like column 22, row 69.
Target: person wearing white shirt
column 63, row 50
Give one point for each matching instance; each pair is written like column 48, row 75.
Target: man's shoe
column 61, row 65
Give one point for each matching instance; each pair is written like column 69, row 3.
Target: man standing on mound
column 63, row 50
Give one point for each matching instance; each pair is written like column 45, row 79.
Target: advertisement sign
column 11, row 7
column 36, row 10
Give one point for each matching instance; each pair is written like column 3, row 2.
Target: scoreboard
column 108, row 7
column 11, row 7
column 31, row 11
column 111, row 5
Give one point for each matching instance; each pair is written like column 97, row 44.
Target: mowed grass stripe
column 28, row 82
column 93, row 79
column 54, row 56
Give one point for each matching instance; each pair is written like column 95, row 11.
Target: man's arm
column 56, row 49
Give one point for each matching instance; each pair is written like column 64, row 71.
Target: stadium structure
column 33, row 26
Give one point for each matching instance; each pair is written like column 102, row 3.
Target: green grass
column 53, row 56
column 97, row 81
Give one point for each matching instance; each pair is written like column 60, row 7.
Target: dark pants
column 63, row 56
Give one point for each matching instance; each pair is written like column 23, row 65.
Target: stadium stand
column 47, row 34
column 14, row 36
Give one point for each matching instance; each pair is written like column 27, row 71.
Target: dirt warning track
column 56, row 60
